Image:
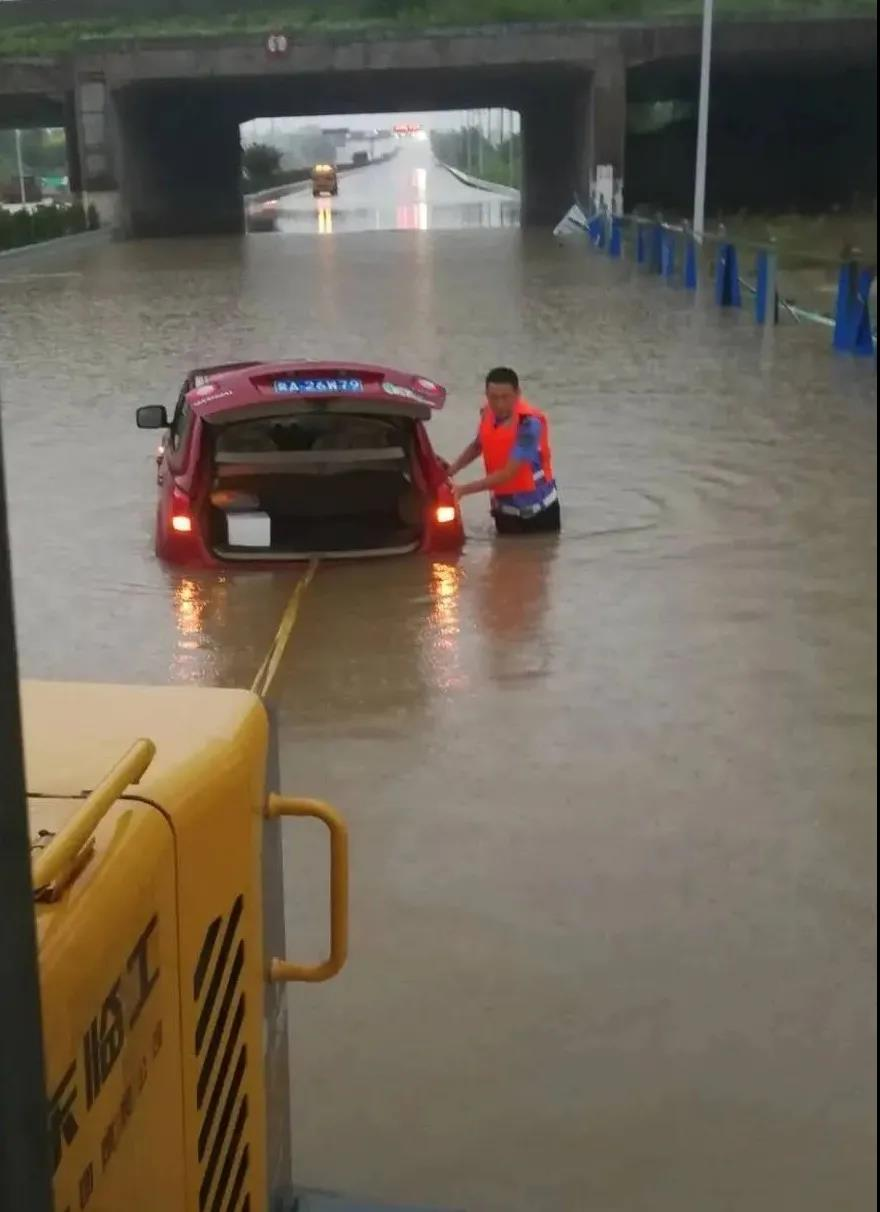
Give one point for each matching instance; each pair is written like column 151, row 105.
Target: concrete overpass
column 158, row 121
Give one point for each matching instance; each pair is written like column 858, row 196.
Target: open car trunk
column 314, row 483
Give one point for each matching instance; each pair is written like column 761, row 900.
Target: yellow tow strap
column 269, row 667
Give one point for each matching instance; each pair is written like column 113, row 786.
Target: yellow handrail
column 282, row 969
column 64, row 848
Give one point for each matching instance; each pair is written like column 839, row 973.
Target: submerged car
column 270, row 462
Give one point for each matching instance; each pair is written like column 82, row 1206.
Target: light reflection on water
column 327, row 218
column 442, row 656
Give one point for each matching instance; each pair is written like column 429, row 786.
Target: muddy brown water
column 612, row 798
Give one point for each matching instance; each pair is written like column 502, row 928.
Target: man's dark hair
column 503, row 374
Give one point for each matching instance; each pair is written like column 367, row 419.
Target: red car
column 265, row 462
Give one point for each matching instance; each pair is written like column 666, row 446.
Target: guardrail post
column 604, row 227
column 615, row 242
column 845, row 309
column 657, row 248
column 689, row 269
column 863, row 344
column 852, row 318
column 667, row 266
column 766, row 295
column 727, row 289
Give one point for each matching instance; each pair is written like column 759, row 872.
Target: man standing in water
column 514, row 441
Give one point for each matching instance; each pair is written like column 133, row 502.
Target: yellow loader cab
column 157, row 878
column 325, row 181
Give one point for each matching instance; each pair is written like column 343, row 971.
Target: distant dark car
column 359, row 159
column 262, row 215
column 272, row 462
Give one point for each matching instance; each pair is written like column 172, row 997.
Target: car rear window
column 309, row 431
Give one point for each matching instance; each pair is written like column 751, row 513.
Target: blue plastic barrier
column 668, row 250
column 852, row 315
column 615, row 243
column 595, row 231
column 656, row 263
column 667, row 254
column 689, row 270
column 727, row 290
column 766, row 295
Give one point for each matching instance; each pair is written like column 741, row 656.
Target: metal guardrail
column 674, row 252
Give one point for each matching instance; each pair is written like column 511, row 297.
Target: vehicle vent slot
column 221, row 1095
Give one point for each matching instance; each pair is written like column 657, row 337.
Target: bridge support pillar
column 601, row 125
column 71, row 144
column 567, row 131
column 181, row 166
column 91, row 145
column 548, row 153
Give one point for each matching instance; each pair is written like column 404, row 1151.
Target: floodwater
column 410, row 192
column 611, row 799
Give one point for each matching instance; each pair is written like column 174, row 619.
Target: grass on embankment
column 376, row 16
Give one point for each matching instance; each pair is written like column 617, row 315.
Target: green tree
column 261, row 162
column 44, row 151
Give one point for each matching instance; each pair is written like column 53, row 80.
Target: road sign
column 277, row 46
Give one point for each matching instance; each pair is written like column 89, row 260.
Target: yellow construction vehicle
column 155, row 1023
column 325, row 181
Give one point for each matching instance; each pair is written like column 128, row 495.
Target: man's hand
column 470, row 452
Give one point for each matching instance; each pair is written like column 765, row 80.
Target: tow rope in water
column 269, row 667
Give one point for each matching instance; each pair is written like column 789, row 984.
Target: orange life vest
column 498, row 440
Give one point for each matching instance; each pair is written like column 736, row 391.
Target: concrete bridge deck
column 157, row 119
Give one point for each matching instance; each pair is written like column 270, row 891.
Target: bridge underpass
column 180, row 166
column 179, row 155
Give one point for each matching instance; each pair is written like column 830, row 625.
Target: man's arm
column 467, row 456
column 489, row 482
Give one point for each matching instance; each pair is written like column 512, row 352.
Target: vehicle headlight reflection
column 325, row 218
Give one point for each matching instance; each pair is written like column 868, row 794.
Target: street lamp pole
column 703, row 122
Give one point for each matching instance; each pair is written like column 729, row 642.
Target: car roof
column 233, row 387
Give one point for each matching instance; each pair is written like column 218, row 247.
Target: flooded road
column 611, row 799
column 410, row 192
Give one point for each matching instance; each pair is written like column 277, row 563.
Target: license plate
column 318, row 387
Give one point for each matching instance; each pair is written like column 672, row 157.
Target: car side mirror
column 152, row 416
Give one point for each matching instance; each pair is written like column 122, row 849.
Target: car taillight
column 445, row 514
column 181, row 512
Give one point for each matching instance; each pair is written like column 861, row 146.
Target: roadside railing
column 673, row 252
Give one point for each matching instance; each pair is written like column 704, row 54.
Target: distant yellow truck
column 324, row 181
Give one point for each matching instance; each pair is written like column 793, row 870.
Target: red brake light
column 445, row 514
column 181, row 512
